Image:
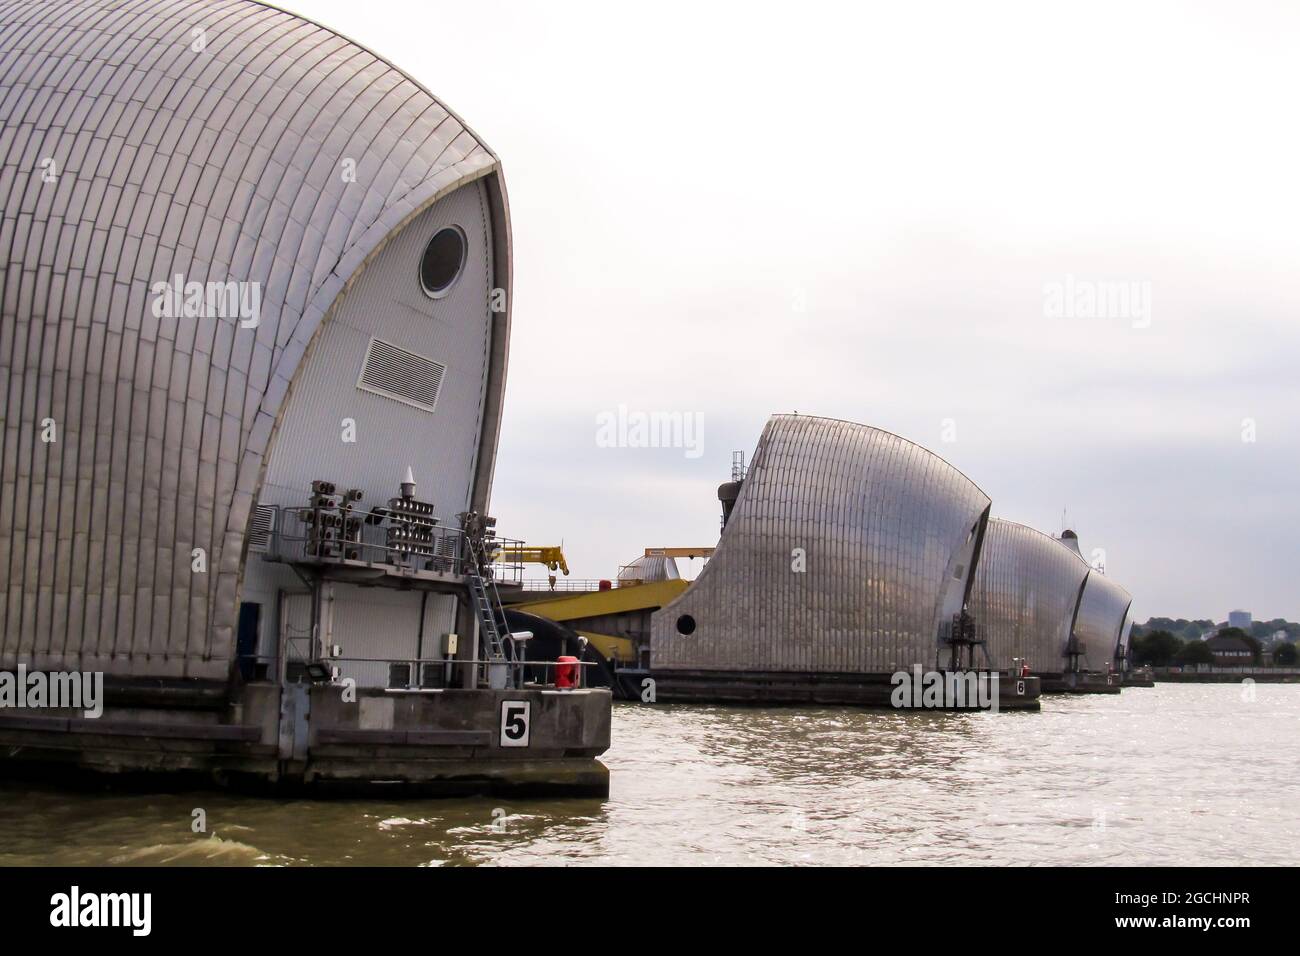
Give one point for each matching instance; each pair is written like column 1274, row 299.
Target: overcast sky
column 733, row 210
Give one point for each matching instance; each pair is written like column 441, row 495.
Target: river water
column 1176, row 774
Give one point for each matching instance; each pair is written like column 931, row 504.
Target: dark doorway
column 250, row 625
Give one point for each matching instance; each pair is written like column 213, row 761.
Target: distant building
column 1230, row 651
column 1241, row 619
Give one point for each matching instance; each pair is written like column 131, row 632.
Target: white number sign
column 514, row 722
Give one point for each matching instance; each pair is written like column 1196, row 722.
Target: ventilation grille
column 401, row 375
column 259, row 531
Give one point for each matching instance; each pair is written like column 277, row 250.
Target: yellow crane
column 679, row 552
column 550, row 555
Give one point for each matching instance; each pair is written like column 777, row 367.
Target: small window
column 686, row 625
column 444, row 257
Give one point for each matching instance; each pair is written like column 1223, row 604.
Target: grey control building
column 240, row 253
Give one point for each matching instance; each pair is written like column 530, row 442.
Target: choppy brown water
column 1176, row 774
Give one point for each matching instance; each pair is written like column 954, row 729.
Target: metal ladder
column 486, row 604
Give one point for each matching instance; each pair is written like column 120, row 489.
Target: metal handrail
column 288, row 540
column 561, row 584
column 492, row 597
column 583, row 584
column 517, row 670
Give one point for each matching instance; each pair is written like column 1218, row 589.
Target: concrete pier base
column 311, row 740
column 1081, row 682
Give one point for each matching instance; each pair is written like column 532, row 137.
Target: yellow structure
column 550, row 555
column 584, row 604
column 620, row 650
column 679, row 552
column 618, row 608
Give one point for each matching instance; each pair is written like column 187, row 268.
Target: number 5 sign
column 514, row 722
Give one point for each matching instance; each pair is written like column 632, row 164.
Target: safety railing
column 441, row 673
column 291, row 663
column 349, row 533
column 564, row 584
column 580, row 584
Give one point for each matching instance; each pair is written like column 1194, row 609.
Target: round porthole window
column 443, row 260
column 686, row 624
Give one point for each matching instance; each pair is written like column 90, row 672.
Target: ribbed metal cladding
column 222, row 164
column 1027, row 588
column 887, row 528
column 650, row 567
column 1125, row 635
column 1100, row 621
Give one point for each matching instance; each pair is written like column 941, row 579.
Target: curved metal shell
column 211, row 140
column 648, row 568
column 1125, row 637
column 1100, row 621
column 1027, row 589
column 846, row 548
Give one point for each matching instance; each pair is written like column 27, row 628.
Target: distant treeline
column 1162, row 641
column 1192, row 630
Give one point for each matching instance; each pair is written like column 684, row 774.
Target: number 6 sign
column 514, row 722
